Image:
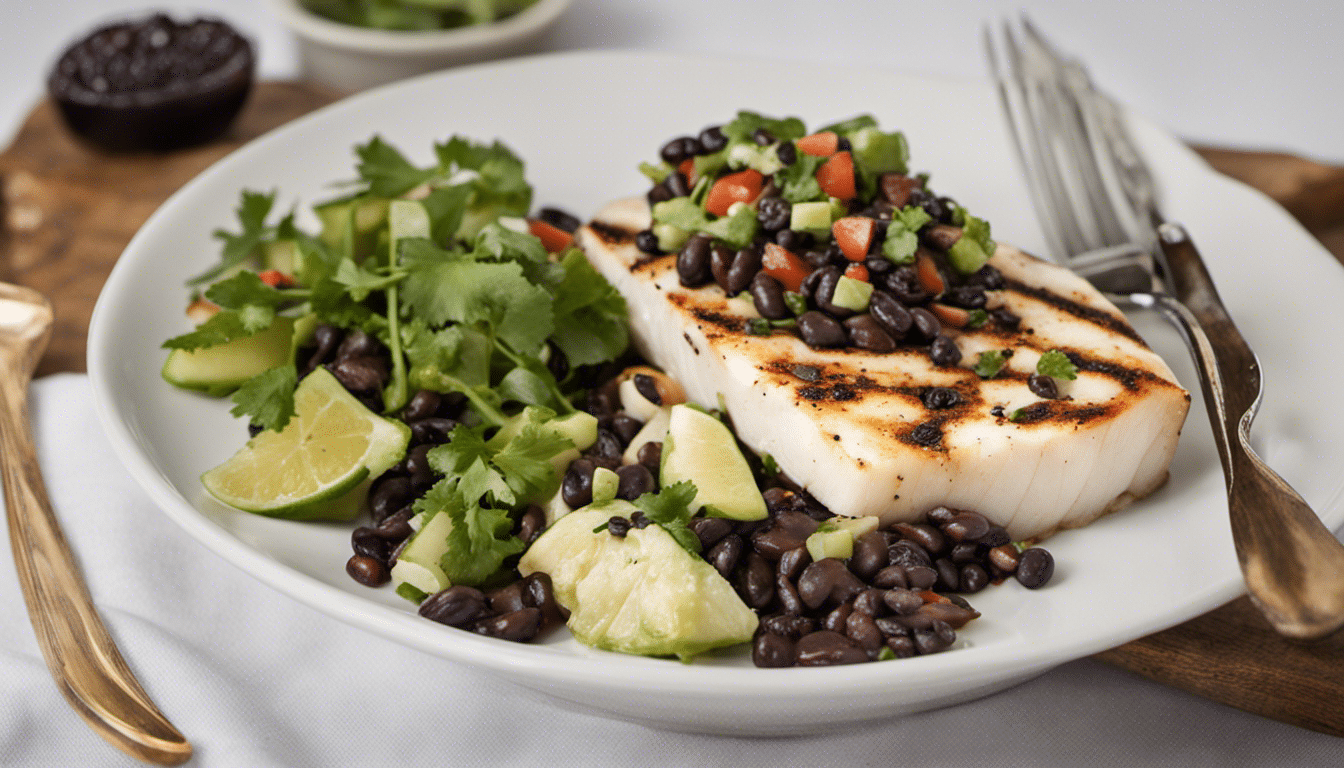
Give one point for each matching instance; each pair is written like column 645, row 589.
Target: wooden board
column 66, row 213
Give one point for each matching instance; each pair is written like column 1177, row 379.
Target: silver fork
column 1097, row 203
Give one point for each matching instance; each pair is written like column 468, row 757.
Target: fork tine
column 1022, row 104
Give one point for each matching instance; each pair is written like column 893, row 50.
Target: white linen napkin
column 255, row 679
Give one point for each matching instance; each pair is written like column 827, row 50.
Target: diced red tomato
column 784, row 265
column 553, row 238
column 275, row 278
column 854, row 235
column 929, row 596
column 836, row 176
column 857, row 272
column 741, row 187
column 821, row 144
column 954, row 317
column 687, row 168
column 927, row 272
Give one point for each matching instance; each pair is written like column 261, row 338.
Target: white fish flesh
column 851, row 426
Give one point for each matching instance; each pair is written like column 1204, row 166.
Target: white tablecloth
column 255, row 679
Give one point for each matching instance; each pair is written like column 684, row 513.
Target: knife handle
column 84, row 661
column 1293, row 564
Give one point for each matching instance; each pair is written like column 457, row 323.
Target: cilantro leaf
column 902, row 234
column 253, row 208
column 670, row 508
column 478, row 540
column 746, row 123
column 224, row 326
column 990, row 363
column 268, row 398
column 386, row 171
column 1057, row 365
column 798, row 182
column 242, row 290
column 526, row 461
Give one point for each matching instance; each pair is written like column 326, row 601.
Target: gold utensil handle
column 81, row 655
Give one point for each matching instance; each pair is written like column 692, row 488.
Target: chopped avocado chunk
column 641, row 593
column 852, row 294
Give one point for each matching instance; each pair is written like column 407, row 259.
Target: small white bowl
column 353, row 58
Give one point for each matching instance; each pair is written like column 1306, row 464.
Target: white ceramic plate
column 583, row 122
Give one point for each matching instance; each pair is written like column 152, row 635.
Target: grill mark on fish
column 1061, row 412
column 612, row 234
column 1080, row 311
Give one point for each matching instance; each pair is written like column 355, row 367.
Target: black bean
column 870, row 555
column 937, row 638
column 560, row 219
column 326, row 339
column 894, row 318
column 786, row 531
column 860, row 628
column 1005, row 317
column 763, row 137
column 987, row 277
column 767, row 294
column 677, row 184
column 787, row 153
column 539, row 593
column 531, row 523
column 893, row 576
column 869, row 602
column 422, row 405
column 792, row 562
column 366, row 570
column 908, row 554
column 397, row 526
column 506, row 599
column 772, row 651
column 516, row 626
column 825, row 291
column 1004, row 558
column 827, row 580
column 433, row 430
column 921, row 576
column 793, row 240
column 997, row 536
column 647, row 242
column 358, row 343
column 639, row 519
column 901, row 647
column 625, row 427
column 789, row 601
column 608, row 445
column 924, row 326
column 724, row 555
column 866, row 333
column 774, row 213
column 944, row 351
column 693, row 261
column 366, row 541
column 966, row 526
column 712, row 139
column 576, row 489
column 926, row 536
column 647, row 387
column 454, row 606
column 939, row 398
column 1043, row 386
column 650, row 454
column 756, row 581
column 618, row 526
column 788, row 625
column 940, row 515
column 389, row 495
column 658, row 193
column 902, row 602
column 965, row 296
column 834, row 621
column 965, row 552
column 635, row 480
column 360, row 374
column 820, row 330
column 720, row 261
column 1035, row 566
column 679, row 149
column 949, row 575
column 903, row 283
column 746, row 264
column 710, row 530
column 953, row 614
column 826, row 648
column 973, row 577
column 417, row 464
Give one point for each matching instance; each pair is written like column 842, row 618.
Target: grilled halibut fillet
column 851, row 426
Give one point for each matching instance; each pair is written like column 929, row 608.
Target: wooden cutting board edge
column 68, row 211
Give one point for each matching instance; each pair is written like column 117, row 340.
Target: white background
column 257, row 680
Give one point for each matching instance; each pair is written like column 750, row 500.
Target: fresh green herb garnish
column 988, row 365
column 1057, row 365
column 416, row 15
column 670, row 507
column 903, row 234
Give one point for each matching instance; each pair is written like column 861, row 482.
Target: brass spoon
column 79, row 652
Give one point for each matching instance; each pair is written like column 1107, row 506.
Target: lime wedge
column 317, row 465
column 699, row 448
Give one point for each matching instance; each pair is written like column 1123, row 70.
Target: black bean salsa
column 898, row 595
column 826, row 232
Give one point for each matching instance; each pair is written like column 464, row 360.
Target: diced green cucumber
column 812, row 217
column 670, row 238
column 370, row 214
column 418, row 563
column 699, row 448
column 876, row 152
column 221, row 369
column 852, row 294
column 282, row 256
column 829, row 541
column 605, row 483
column 748, row 154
